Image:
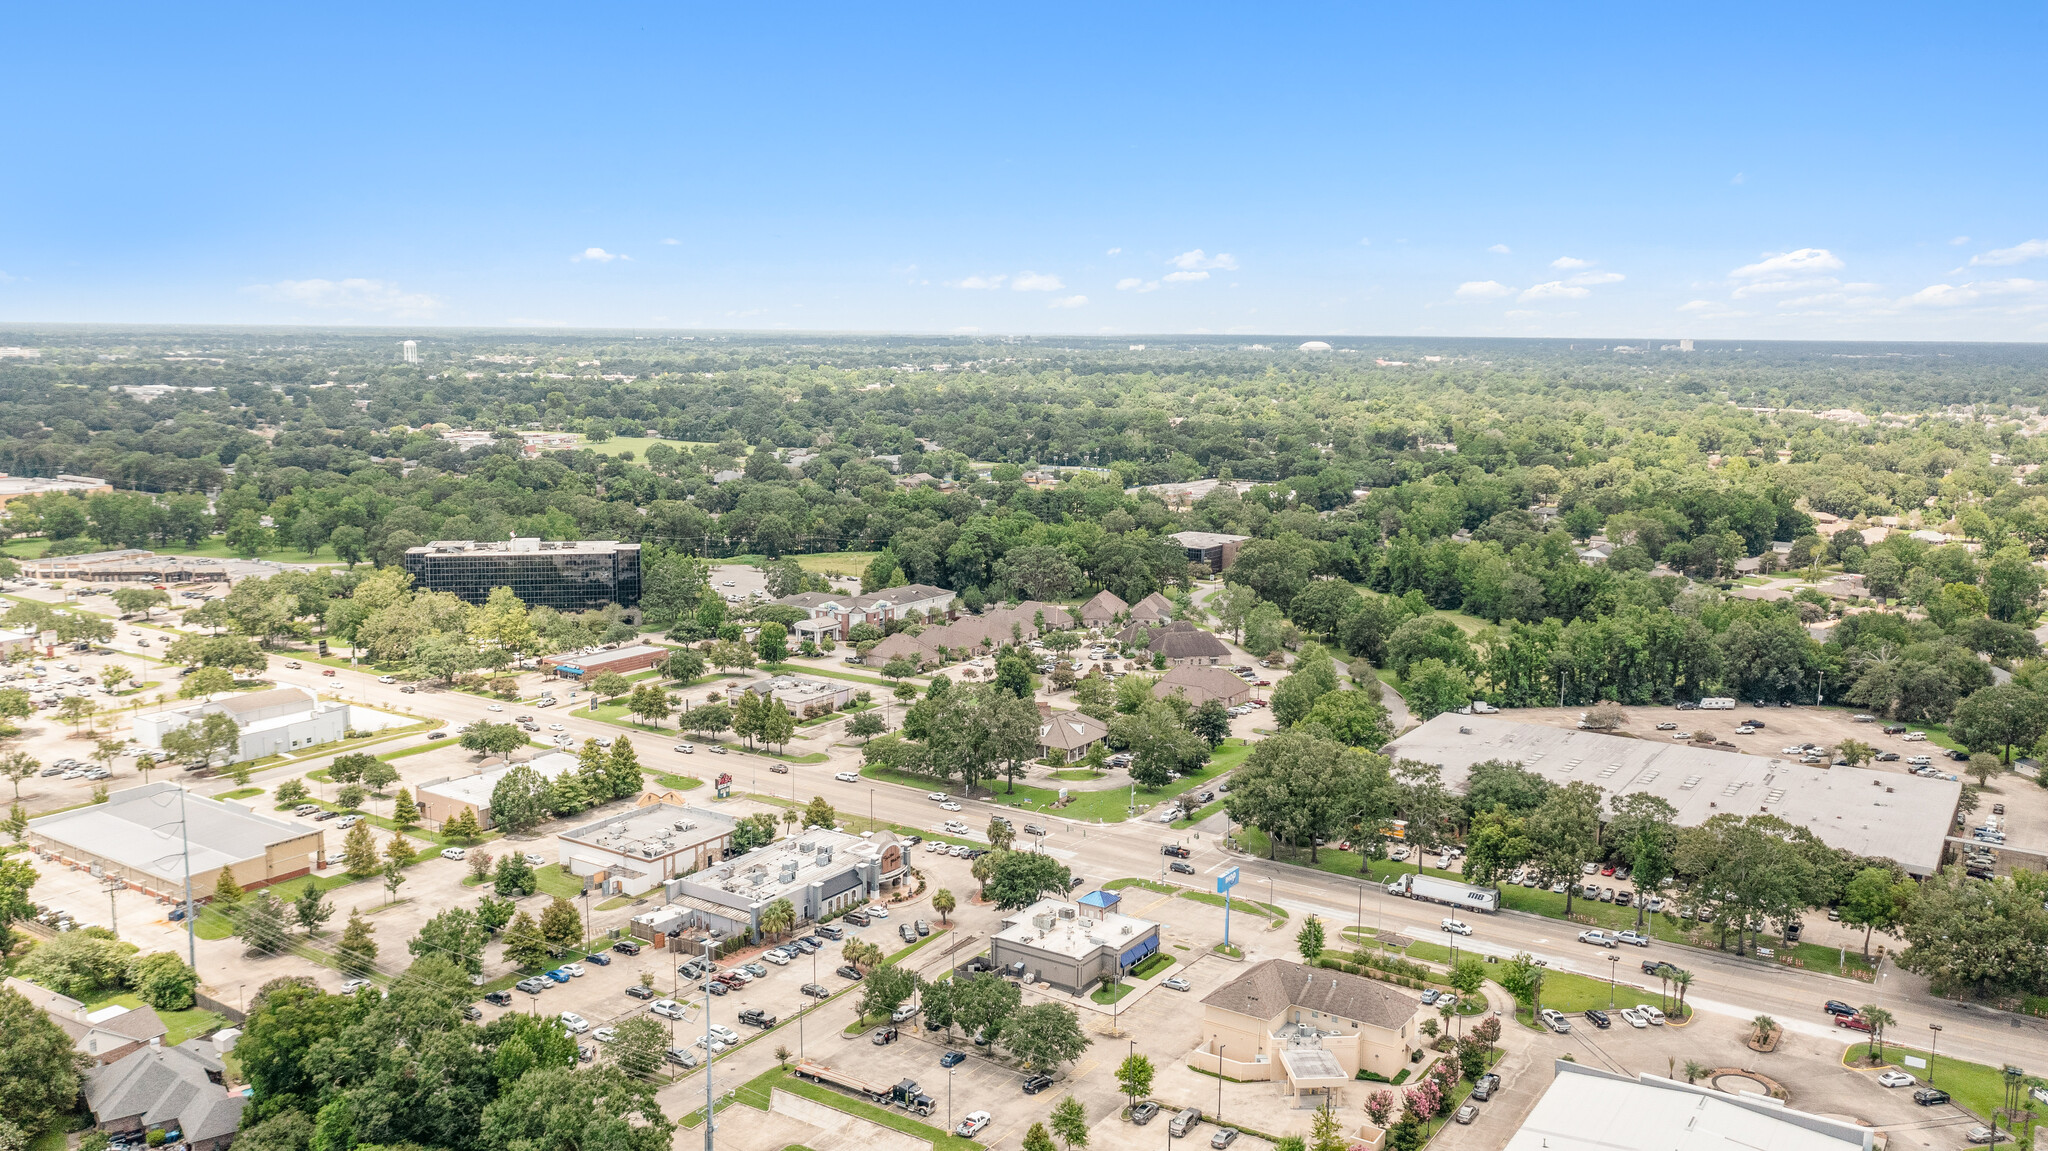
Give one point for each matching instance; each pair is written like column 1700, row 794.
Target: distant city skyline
column 1825, row 172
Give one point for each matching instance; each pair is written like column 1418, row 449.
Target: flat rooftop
column 138, row 828
column 1885, row 815
column 658, row 825
column 29, row 485
column 758, row 875
column 1586, row 1109
column 1042, row 927
column 520, row 545
column 475, row 790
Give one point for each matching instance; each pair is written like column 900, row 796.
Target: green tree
column 359, row 851
column 610, row 685
column 943, row 903
column 1353, row 718
column 457, row 935
column 559, row 924
column 1309, row 940
column 1134, row 1077
column 1644, row 829
column 1999, row 717
column 310, row 909
column 404, row 812
column 261, row 923
column 649, row 703
column 1879, row 1019
column 39, row 1068
column 514, row 877
column 17, row 766
column 885, row 989
column 772, row 642
column 1045, row 1035
column 1876, row 897
column 226, row 892
column 525, row 946
column 519, row 799
column 1035, row 1138
column 1020, row 878
column 622, row 770
column 636, row 1049
column 561, row 1107
column 866, row 725
column 1564, row 834
column 163, row 981
column 1433, row 688
column 206, row 681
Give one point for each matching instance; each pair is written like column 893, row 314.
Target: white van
column 1717, row 703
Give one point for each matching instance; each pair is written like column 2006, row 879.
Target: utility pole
column 710, row 1112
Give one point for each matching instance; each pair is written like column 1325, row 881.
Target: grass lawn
column 216, row 547
column 753, row 1093
column 1078, row 775
column 1976, row 1087
column 941, row 1140
column 1572, row 994
column 910, row 950
column 240, row 793
column 853, row 564
column 1109, row 995
column 848, row 821
column 183, row 1025
column 1108, row 806
column 833, row 673
column 213, row 924
column 807, row 757
column 1834, row 961
column 552, row 880
column 1152, row 965
column 1141, row 884
column 1200, row 814
column 1238, row 903
column 403, row 752
column 678, row 782
column 829, row 716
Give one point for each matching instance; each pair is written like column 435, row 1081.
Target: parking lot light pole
column 1613, row 964
column 1219, row 1082
column 1933, row 1042
column 710, row 1112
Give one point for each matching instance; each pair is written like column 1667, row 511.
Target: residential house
column 1103, row 609
column 1200, row 683
column 182, row 1089
column 1315, row 1028
column 905, row 645
column 1068, row 734
column 836, row 614
column 102, row 1036
column 1154, row 607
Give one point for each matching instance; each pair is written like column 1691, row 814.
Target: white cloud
column 1780, row 287
column 671, row 240
column 1567, row 263
column 2017, row 254
column 1554, row 290
column 1136, row 284
column 1786, row 265
column 1957, row 295
column 1198, row 259
column 981, row 283
column 1033, row 282
column 352, row 295
column 1185, row 277
column 1959, row 241
column 1737, row 178
column 1701, row 306
column 1114, row 252
column 1501, row 249
column 1483, row 290
column 1365, row 241
column 1587, row 279
column 1068, row 302
column 598, row 256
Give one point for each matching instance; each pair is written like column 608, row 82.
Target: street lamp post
column 1219, row 1082
column 1932, row 1042
column 1613, row 965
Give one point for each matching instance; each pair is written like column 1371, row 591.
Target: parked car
column 885, row 1036
column 682, row 1057
column 1930, row 1097
column 667, row 1008
column 1224, row 1137
column 1485, row 1086
column 454, row 853
column 639, row 992
column 626, row 947
column 1037, row 1083
column 815, row 991
column 1556, row 1021
column 975, row 1123
column 952, row 1059
column 848, row 971
column 1896, row 1079
column 1599, row 1018
column 1466, row 1113
column 1176, row 983
column 499, row 998
column 576, row 1024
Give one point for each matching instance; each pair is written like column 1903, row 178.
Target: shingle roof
column 1277, row 984
column 1154, row 606
column 165, row 1085
column 1189, row 645
column 1104, row 605
column 1068, row 730
column 1201, row 684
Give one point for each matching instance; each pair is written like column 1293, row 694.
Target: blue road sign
column 1226, row 881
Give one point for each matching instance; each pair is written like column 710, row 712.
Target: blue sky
column 1716, row 171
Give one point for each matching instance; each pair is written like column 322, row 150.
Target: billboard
column 1226, row 881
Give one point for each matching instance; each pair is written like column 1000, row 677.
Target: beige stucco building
column 1311, row 1027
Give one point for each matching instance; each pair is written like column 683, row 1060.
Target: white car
column 846, row 776
column 1398, row 853
column 496, row 707
column 554, row 727
column 878, row 911
column 975, row 1123
column 666, row 1008
column 1650, row 1013
column 1633, row 938
column 776, row 957
column 576, row 1024
column 1633, row 1018
column 949, row 805
column 724, row 1034
column 387, row 679
column 1895, row 1079
column 533, row 860
column 937, row 796
column 605, row 1034
column 454, row 853
column 571, row 969
column 1457, row 927
column 1176, row 983
column 687, row 748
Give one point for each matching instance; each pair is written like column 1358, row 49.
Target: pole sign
column 1226, row 881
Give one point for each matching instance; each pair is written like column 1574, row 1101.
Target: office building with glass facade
column 567, row 575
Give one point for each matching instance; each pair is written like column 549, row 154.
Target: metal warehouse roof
column 1881, row 814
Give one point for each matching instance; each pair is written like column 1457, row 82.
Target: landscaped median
column 1975, row 1087
column 1107, row 805
column 755, row 1093
column 1271, row 911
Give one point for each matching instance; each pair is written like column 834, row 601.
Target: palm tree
column 1879, row 1019
column 778, row 917
column 1761, row 1028
column 1681, row 980
column 943, row 902
column 1694, row 1070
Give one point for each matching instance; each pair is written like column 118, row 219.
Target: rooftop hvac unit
column 648, row 852
column 684, row 825
column 1042, row 922
column 1066, row 913
column 824, row 858
column 806, row 846
column 1127, row 929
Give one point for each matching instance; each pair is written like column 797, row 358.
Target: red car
column 1854, row 1022
column 1607, row 870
